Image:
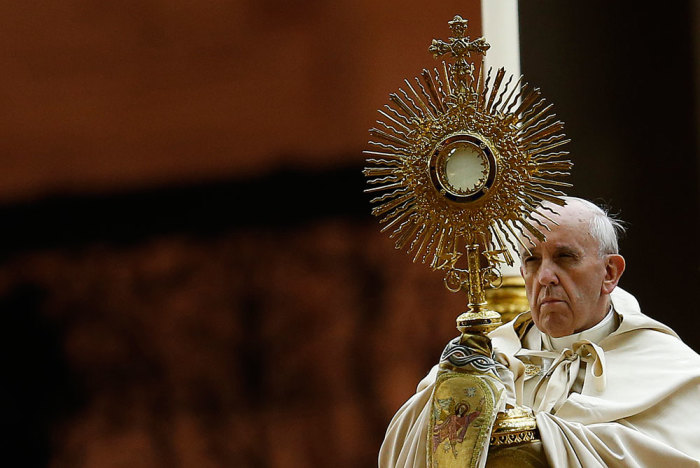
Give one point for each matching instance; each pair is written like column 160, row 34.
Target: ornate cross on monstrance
column 460, row 47
column 459, row 168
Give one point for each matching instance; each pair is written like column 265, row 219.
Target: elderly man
column 609, row 386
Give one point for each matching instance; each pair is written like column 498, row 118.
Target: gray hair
column 606, row 228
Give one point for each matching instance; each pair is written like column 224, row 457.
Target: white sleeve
column 404, row 444
column 570, row 444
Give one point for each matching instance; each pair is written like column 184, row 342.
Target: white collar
column 594, row 334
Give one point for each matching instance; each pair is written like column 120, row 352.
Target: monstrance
column 461, row 161
column 461, row 164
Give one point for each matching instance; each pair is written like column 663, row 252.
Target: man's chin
column 555, row 324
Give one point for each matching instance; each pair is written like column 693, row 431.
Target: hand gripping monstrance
column 460, row 167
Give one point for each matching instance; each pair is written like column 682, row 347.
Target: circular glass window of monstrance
column 462, row 168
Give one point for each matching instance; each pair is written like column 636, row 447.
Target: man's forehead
column 574, row 213
column 571, row 231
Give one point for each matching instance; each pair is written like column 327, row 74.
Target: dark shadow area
column 283, row 198
column 40, row 391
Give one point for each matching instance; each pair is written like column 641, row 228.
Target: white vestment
column 630, row 398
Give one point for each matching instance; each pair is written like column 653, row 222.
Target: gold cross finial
column 459, row 46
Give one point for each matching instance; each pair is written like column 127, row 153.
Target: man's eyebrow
column 567, row 249
column 524, row 254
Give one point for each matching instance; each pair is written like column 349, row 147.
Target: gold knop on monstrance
column 460, row 164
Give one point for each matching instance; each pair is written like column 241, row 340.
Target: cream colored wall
column 499, row 20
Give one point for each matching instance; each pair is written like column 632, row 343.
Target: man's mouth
column 550, row 300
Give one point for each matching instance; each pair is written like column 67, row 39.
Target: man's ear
column 614, row 267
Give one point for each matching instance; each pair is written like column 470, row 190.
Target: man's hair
column 605, row 227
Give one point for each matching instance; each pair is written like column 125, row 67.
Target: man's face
column 566, row 279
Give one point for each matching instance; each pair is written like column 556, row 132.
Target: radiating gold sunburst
column 460, row 159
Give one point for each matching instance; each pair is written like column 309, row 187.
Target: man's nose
column 547, row 274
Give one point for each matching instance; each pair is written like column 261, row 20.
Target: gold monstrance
column 460, row 166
